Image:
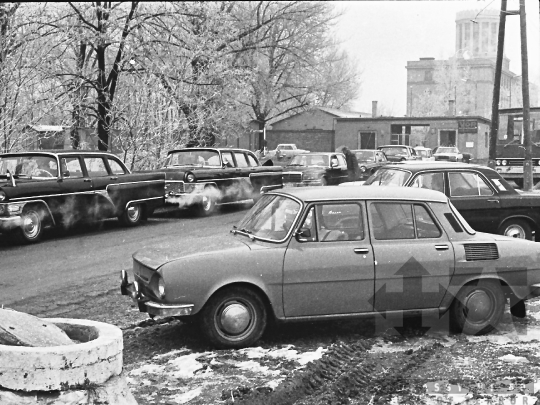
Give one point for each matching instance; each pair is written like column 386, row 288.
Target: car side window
column 228, row 160
column 339, row 222
column 468, row 184
column 116, row 168
column 392, row 221
column 252, row 161
column 241, row 160
column 432, row 181
column 425, row 225
column 95, row 166
column 71, row 167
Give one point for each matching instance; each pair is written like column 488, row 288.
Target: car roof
column 202, row 148
column 394, row 146
column 318, row 153
column 426, row 165
column 365, row 150
column 362, row 192
column 58, row 152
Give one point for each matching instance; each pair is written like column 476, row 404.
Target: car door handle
column 441, row 247
column 360, row 251
column 114, row 178
column 493, row 201
column 87, row 180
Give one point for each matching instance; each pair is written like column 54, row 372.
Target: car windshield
column 422, row 152
column 395, row 151
column 388, row 177
column 447, row 150
column 201, row 158
column 37, row 167
column 309, row 160
column 365, row 156
column 270, row 218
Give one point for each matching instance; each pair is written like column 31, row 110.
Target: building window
column 399, row 139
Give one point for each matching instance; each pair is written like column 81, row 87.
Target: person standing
column 352, row 164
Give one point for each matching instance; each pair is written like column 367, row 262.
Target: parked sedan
column 46, row 189
column 481, row 195
column 316, row 169
column 322, row 253
column 399, row 153
column 448, row 153
column 203, row 178
column 369, row 161
column 424, row 153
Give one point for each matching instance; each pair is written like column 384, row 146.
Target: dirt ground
column 375, row 361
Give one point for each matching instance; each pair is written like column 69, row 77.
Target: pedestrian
column 352, row 164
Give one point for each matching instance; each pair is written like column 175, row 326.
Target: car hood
column 172, row 251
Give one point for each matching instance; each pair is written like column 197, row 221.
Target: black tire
column 246, row 321
column 208, row 204
column 516, row 228
column 132, row 216
column 478, row 308
column 31, row 228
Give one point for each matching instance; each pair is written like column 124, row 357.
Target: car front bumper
column 10, row 223
column 145, row 304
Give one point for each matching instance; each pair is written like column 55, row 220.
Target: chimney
column 451, row 108
column 373, row 109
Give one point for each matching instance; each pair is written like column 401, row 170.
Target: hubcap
column 133, row 212
column 206, row 203
column 515, row 231
column 478, row 306
column 31, row 224
column 235, row 319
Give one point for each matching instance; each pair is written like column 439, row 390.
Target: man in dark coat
column 352, row 164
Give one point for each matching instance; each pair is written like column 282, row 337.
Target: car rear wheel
column 31, row 228
column 234, row 318
column 477, row 308
column 132, row 215
column 516, row 228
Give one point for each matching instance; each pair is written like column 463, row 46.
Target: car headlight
column 498, row 162
column 2, row 195
column 157, row 284
column 190, row 178
column 504, row 162
column 362, row 169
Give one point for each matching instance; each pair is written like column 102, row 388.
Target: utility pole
column 493, row 133
column 527, row 163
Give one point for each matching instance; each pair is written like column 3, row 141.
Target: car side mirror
column 303, row 234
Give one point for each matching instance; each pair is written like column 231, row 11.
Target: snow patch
column 510, row 358
column 147, row 369
column 186, row 396
column 186, row 365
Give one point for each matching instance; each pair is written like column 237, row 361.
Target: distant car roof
column 393, row 146
column 318, row 153
column 421, row 148
column 57, row 152
column 365, row 150
column 343, row 193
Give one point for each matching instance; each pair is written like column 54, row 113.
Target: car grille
column 442, row 158
column 292, row 177
column 174, row 187
column 481, row 251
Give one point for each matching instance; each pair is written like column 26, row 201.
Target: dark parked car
column 320, row 253
column 369, row 161
column 205, row 177
column 61, row 188
column 399, row 153
column 481, row 195
column 316, row 169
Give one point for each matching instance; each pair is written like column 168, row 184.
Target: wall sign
column 467, row 126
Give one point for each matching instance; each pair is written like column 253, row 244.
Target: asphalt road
column 64, row 259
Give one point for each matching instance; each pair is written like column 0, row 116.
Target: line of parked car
column 62, row 188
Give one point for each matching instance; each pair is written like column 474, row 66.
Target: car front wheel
column 132, row 215
column 31, row 227
column 234, row 318
column 516, row 228
column 477, row 308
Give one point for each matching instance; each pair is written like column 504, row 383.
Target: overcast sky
column 384, row 35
